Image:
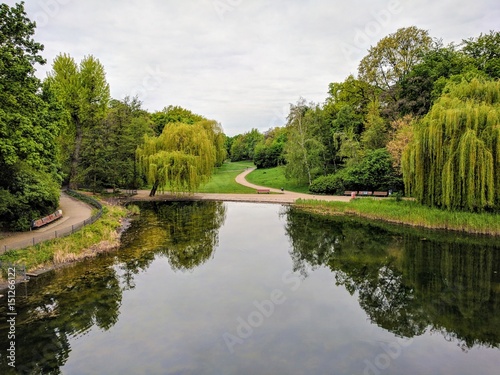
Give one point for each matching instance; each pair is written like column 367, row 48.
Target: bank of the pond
column 99, row 237
column 407, row 213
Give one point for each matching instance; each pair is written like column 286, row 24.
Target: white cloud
column 244, row 64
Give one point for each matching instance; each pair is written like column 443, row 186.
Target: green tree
column 84, row 92
column 270, row 151
column 454, row 158
column 375, row 134
column 485, row 51
column 29, row 125
column 171, row 115
column 393, row 58
column 243, row 145
column 303, row 149
column 178, row 160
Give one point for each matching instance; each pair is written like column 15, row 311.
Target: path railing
column 41, row 237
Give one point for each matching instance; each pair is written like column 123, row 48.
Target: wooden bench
column 46, row 220
column 380, row 193
column 365, row 193
column 263, row 191
column 349, row 193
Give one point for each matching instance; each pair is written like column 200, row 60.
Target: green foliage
column 84, row 92
column 243, row 145
column 29, row 125
column 454, row 159
column 332, row 184
column 374, row 173
column 180, row 159
column 393, row 58
column 485, row 52
column 269, row 152
column 172, row 115
column 303, row 150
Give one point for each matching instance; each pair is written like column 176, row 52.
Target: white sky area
column 240, row 62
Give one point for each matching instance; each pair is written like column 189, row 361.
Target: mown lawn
column 275, row 178
column 222, row 181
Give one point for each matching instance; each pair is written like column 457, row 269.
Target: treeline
column 67, row 130
column 420, row 117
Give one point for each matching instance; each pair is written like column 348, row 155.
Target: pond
column 240, row 288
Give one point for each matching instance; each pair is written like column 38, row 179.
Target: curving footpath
column 285, row 197
column 74, row 212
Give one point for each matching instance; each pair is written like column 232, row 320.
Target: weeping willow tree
column 178, row 160
column 454, row 159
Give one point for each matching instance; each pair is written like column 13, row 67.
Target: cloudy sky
column 240, row 62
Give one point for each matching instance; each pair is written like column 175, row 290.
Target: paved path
column 278, row 197
column 74, row 212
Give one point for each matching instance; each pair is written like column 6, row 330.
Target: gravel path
column 277, row 195
column 74, row 212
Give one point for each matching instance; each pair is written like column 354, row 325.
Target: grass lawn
column 409, row 213
column 222, row 180
column 275, row 178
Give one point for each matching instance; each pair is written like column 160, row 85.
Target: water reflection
column 407, row 282
column 52, row 313
column 90, row 294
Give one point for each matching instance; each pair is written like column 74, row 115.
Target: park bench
column 46, row 220
column 365, row 193
column 349, row 193
column 263, row 191
column 380, row 193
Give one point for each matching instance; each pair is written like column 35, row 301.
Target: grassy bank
column 90, row 240
column 275, row 178
column 409, row 213
column 223, row 182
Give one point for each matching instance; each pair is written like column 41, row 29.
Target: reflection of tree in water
column 52, row 313
column 405, row 285
column 185, row 232
column 89, row 294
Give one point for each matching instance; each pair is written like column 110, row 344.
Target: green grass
column 222, row 181
column 409, row 213
column 275, row 178
column 73, row 247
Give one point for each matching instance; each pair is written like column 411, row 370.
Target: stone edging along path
column 276, row 196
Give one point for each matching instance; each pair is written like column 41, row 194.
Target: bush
column 374, row 172
column 331, row 184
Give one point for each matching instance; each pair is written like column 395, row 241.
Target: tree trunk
column 75, row 158
column 153, row 190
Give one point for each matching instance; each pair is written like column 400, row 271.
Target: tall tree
column 29, row 125
column 303, row 149
column 485, row 50
column 179, row 160
column 393, row 58
column 85, row 94
column 454, row 158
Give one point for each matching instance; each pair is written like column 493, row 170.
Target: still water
column 237, row 288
